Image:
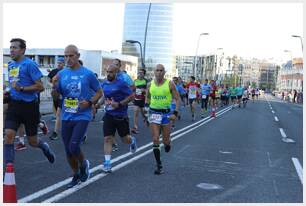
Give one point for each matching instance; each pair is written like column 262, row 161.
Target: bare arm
column 148, row 95
column 37, row 86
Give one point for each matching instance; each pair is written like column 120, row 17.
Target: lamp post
column 196, row 55
column 288, row 51
column 141, row 57
column 219, row 64
column 300, row 39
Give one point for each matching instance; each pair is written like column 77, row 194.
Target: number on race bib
column 138, row 91
column 204, row 96
column 71, row 105
column 156, row 118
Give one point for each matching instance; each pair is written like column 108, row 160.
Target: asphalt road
column 238, row 157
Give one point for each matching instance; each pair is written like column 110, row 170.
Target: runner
column 23, row 108
column 257, row 93
column 159, row 96
column 141, row 86
column 121, row 75
column 239, row 92
column 74, row 83
column 205, row 91
column 57, row 101
column 233, row 95
column 245, row 96
column 253, row 94
column 192, row 88
column 117, row 95
column 173, row 102
column 213, row 99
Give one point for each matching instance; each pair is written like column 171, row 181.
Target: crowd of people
column 78, row 94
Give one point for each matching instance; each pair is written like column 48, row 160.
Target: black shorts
column 112, row 123
column 57, row 103
column 21, row 112
column 139, row 102
column 191, row 101
column 239, row 96
column 233, row 97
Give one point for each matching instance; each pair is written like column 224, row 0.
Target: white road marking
column 96, row 168
column 273, row 112
column 282, row 133
column 298, row 167
column 276, row 119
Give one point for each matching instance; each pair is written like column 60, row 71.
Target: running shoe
column 53, row 136
column 48, row 153
column 134, row 130
column 84, row 171
column 20, row 146
column 158, row 170
column 167, row 148
column 133, row 145
column 115, row 147
column 107, row 167
column 75, row 180
column 84, row 140
column 43, row 127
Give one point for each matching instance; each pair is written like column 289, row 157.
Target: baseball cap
column 61, row 59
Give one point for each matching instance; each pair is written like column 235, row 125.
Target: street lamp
column 137, row 42
column 300, row 39
column 196, row 56
column 288, row 51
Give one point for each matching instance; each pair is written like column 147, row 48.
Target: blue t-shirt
column 76, row 85
column 125, row 77
column 180, row 89
column 205, row 89
column 25, row 73
column 116, row 91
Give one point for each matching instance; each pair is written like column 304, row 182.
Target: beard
column 110, row 78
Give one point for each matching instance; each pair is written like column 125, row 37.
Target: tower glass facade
column 158, row 46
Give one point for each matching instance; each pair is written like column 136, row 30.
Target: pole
column 146, row 30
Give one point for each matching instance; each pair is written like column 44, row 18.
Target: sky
column 260, row 30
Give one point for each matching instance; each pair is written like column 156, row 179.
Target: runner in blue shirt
column 117, row 95
column 121, row 75
column 23, row 107
column 74, row 83
column 205, row 91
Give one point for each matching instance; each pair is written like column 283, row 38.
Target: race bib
column 71, row 105
column 108, row 104
column 138, row 91
column 193, row 91
column 203, row 96
column 14, row 74
column 155, row 118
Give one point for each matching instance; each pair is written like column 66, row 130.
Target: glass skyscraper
column 158, row 45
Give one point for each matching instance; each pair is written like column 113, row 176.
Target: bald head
column 72, row 48
column 159, row 72
column 111, row 72
column 72, row 56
